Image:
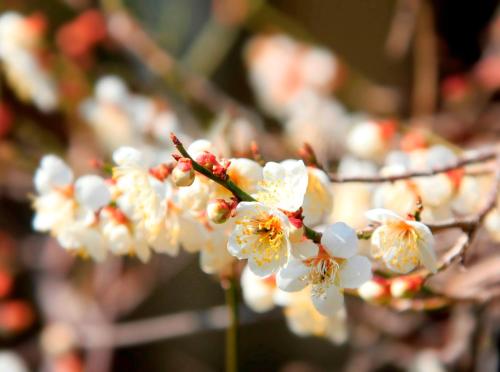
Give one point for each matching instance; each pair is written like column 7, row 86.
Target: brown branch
column 162, row 327
column 479, row 157
column 425, row 74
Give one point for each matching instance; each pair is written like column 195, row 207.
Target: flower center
column 401, row 241
column 323, row 273
column 270, row 237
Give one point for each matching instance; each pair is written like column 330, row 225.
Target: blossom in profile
column 261, row 235
column 400, row 243
column 54, row 205
column 318, row 200
column 327, row 269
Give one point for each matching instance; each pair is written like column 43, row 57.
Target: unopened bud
column 183, row 173
column 218, row 210
column 375, row 290
column 405, row 286
column 207, row 159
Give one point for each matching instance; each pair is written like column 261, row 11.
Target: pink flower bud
column 405, row 286
column 207, row 159
column 375, row 290
column 183, row 173
column 218, row 210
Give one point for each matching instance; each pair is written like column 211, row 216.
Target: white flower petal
column 398, row 261
column 426, row 246
column 143, row 252
column 340, row 240
column 330, row 302
column 265, row 269
column 355, row 271
column 289, row 278
column 53, row 172
column 92, row 192
column 305, row 249
column 128, row 156
column 273, row 171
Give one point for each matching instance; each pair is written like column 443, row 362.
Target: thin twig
column 163, row 327
column 240, row 194
column 480, row 157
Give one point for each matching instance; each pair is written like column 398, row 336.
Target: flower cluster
column 229, row 209
column 290, row 221
column 21, row 59
column 119, row 117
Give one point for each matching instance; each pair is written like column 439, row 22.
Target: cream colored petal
column 330, row 302
column 355, row 271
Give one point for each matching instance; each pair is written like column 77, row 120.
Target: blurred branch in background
column 127, row 32
column 425, row 77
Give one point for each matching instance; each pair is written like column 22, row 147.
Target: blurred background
column 434, row 64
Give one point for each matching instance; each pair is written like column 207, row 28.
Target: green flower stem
column 231, row 291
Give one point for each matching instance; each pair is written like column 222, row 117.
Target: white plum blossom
column 281, row 69
column 20, row 40
column 370, row 139
column 140, row 195
column 53, row 172
column 283, row 185
column 214, row 256
column 400, row 243
column 120, row 236
column 261, row 235
column 245, row 173
column 119, row 117
column 334, row 266
column 320, row 121
column 69, row 211
column 55, row 205
column 92, row 192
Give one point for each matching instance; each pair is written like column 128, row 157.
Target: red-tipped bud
column 175, row 140
column 207, row 159
column 183, row 173
column 160, row 172
column 405, row 286
column 219, row 210
column 375, row 290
